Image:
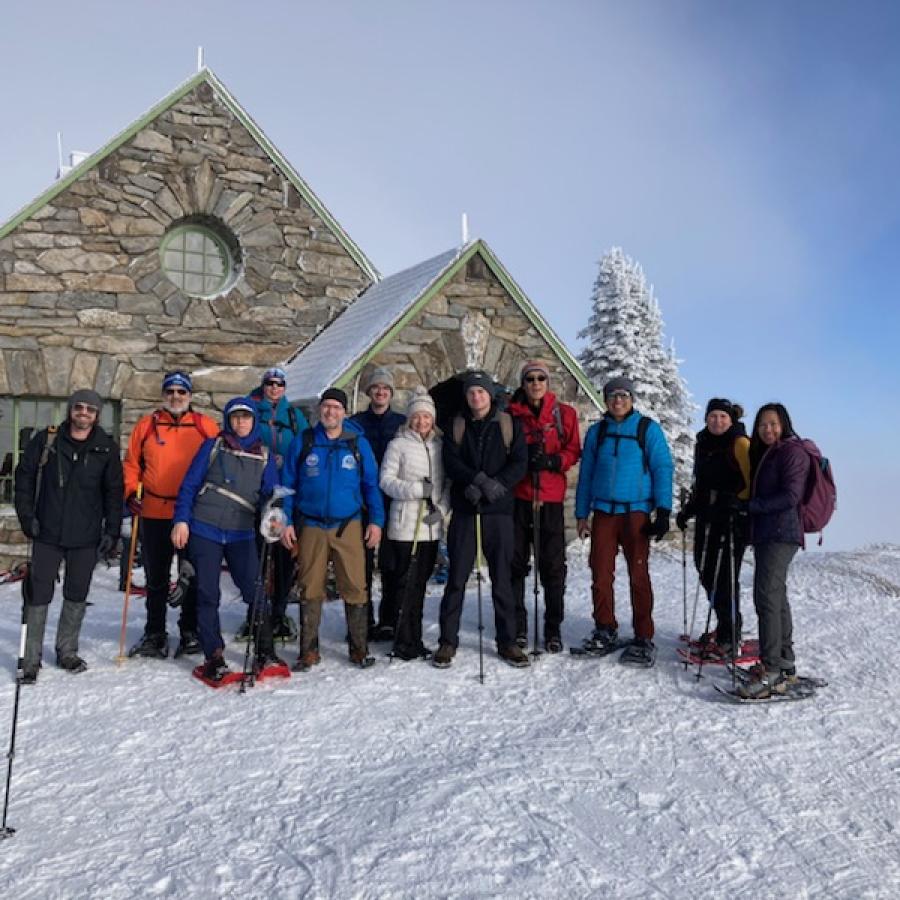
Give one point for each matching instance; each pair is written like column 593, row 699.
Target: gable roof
column 204, row 75
column 339, row 352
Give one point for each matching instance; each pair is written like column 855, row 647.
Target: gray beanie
column 420, row 401
column 478, row 379
column 379, row 376
column 618, row 384
column 84, row 395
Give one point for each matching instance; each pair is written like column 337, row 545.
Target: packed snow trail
column 578, row 778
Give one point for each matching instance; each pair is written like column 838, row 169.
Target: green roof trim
column 279, row 160
column 518, row 296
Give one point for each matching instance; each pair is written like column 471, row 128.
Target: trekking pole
column 5, row 830
column 536, row 549
column 259, row 602
column 132, row 547
column 478, row 578
column 684, row 634
column 735, row 587
column 403, row 614
column 712, row 600
column 703, row 555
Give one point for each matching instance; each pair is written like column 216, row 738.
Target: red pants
column 608, row 533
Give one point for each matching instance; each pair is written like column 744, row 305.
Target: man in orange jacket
column 160, row 451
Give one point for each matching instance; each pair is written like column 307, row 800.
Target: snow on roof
column 321, row 362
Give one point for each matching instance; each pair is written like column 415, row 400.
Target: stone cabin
column 188, row 241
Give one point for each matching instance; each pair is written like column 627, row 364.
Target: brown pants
column 608, row 533
column 316, row 546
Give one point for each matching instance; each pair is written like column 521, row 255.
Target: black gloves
column 538, row 461
column 106, row 547
column 185, row 574
column 490, row 487
column 473, row 494
column 682, row 519
column 658, row 527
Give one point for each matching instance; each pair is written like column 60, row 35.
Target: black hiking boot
column 602, row 638
column 284, row 629
column 151, row 646
column 29, row 674
column 72, row 663
column 188, row 645
column 640, row 653
column 553, row 644
column 215, row 668
column 513, row 655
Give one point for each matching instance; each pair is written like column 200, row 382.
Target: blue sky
column 745, row 153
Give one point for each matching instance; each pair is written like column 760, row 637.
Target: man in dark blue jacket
column 379, row 424
column 332, row 470
column 485, row 456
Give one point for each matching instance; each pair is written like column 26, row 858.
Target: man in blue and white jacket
column 334, row 475
column 626, row 474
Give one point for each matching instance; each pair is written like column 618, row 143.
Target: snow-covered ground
column 573, row 778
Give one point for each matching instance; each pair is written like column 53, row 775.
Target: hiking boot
column 522, row 641
column 29, row 674
column 602, row 638
column 284, row 629
column 242, row 635
column 443, row 659
column 553, row 644
column 215, row 668
column 762, row 684
column 72, row 663
column 361, row 659
column 151, row 646
column 789, row 675
column 188, row 645
column 307, row 661
column 381, row 633
column 513, row 655
column 268, row 658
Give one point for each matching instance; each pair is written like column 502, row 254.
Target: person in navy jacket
column 332, row 470
column 620, row 484
column 229, row 479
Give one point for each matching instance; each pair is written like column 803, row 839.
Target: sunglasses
column 271, row 382
column 180, row 392
column 531, row 379
column 618, row 395
column 85, row 408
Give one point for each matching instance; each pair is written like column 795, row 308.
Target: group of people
column 497, row 471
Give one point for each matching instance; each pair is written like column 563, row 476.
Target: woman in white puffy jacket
column 412, row 474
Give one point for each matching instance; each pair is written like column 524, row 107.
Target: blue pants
column 243, row 565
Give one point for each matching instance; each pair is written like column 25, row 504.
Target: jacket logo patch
column 348, row 462
column 312, row 460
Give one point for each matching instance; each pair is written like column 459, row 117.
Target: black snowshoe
column 640, row 654
column 602, row 642
column 188, row 645
column 151, row 646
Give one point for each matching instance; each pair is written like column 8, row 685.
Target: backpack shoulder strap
column 506, row 428
column 459, row 429
column 643, row 427
column 292, row 419
column 602, row 428
column 557, row 421
column 306, row 447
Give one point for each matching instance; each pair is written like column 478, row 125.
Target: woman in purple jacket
column 779, row 467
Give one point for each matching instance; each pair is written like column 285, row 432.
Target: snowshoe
column 28, row 675
column 188, row 645
column 73, row 663
column 789, row 675
column 718, row 654
column 268, row 665
column 553, row 644
column 215, row 673
column 242, row 635
column 602, row 642
column 284, row 630
column 789, row 692
column 521, row 641
column 362, row 660
column 410, row 653
column 151, row 646
column 640, row 654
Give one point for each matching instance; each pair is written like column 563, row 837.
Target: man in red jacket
column 554, row 446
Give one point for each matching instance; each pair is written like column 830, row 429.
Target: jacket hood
column 237, row 403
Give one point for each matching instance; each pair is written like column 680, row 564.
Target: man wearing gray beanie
column 68, row 496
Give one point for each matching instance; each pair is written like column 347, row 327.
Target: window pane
column 193, row 262
column 174, row 260
column 194, row 241
column 177, row 241
column 193, row 284
column 215, row 265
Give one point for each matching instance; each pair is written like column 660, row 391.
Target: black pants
column 718, row 554
column 158, row 552
column 411, row 583
column 45, row 560
column 389, row 605
column 497, row 547
column 280, row 578
column 551, row 554
column 776, row 627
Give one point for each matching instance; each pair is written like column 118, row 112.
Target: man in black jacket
column 485, row 457
column 68, row 496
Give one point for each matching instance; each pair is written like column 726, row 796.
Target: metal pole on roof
column 59, row 153
column 465, row 229
column 199, row 58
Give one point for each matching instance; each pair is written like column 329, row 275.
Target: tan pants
column 317, row 546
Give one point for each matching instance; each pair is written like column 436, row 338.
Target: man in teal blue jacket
column 626, row 474
column 334, row 475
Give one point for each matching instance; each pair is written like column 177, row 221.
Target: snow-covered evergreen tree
column 625, row 338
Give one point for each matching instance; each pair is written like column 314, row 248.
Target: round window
column 197, row 261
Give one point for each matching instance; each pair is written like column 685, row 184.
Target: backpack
column 640, row 437
column 351, row 438
column 506, row 429
column 820, row 494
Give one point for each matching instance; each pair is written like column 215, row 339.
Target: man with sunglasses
column 279, row 424
column 554, row 446
column 68, row 496
column 159, row 453
column 626, row 474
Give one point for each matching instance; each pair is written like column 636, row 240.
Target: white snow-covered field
column 571, row 779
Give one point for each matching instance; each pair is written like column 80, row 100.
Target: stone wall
column 83, row 299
